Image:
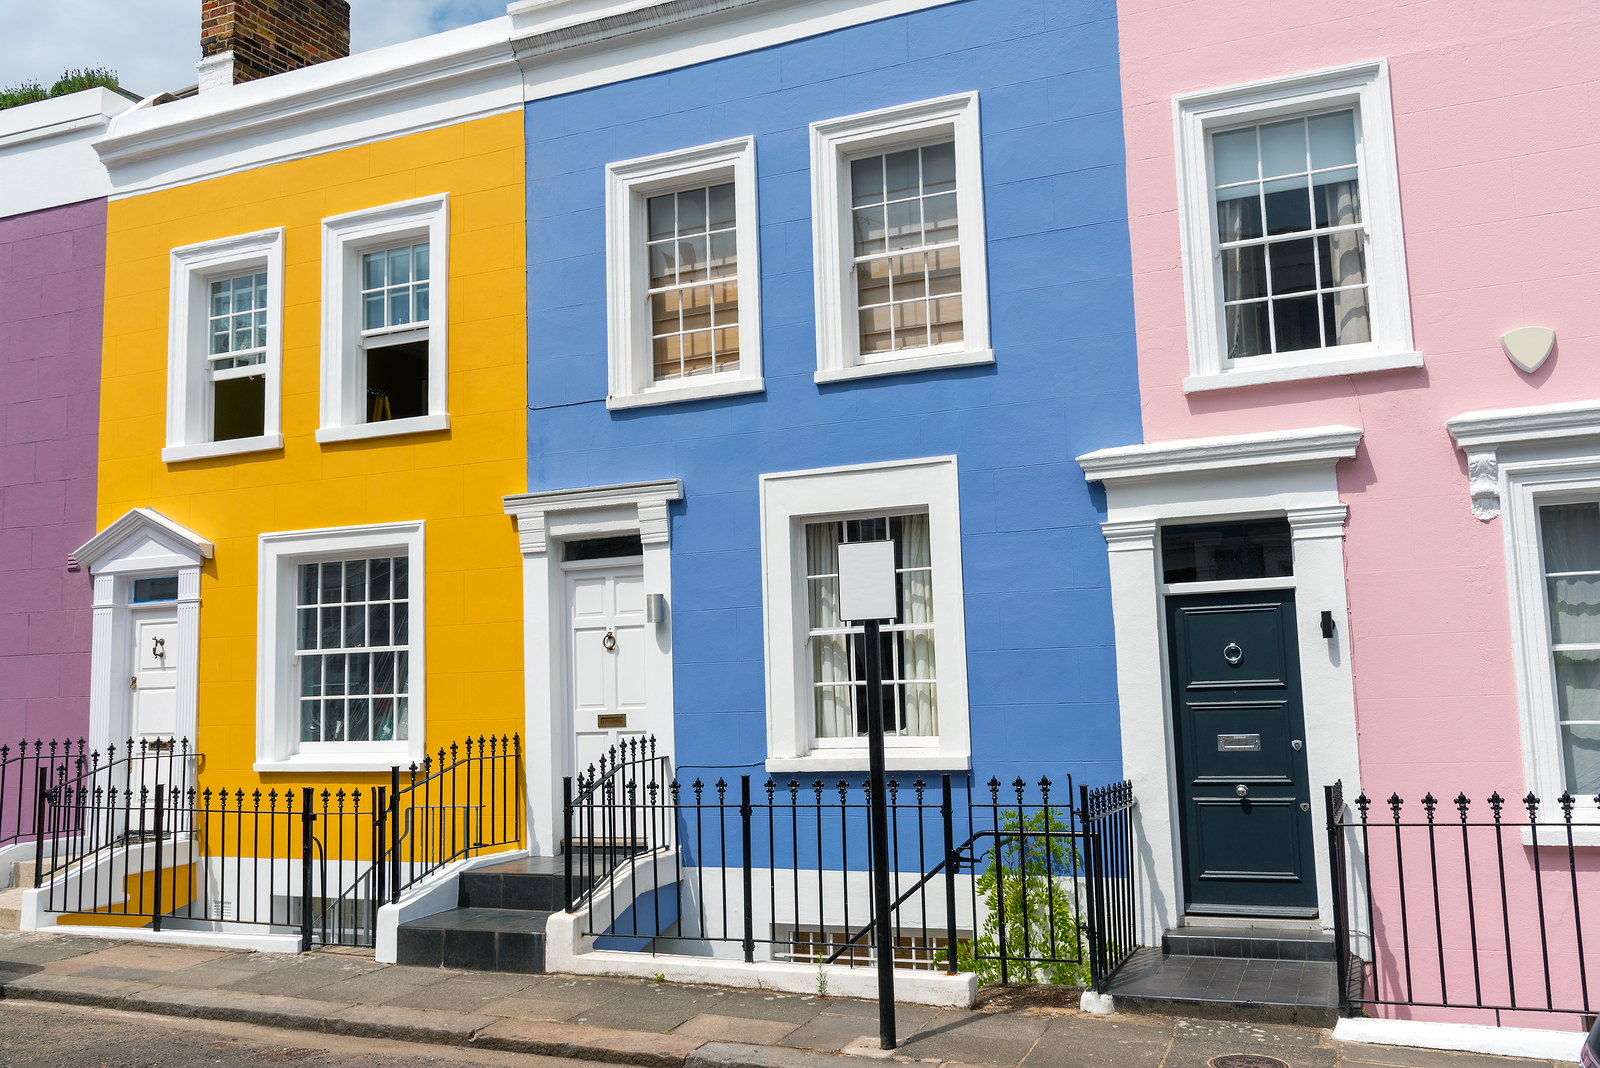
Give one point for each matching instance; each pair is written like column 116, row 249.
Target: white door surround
column 546, row 520
column 1289, row 474
column 142, row 544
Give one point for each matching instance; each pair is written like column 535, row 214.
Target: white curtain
column 830, row 655
column 1351, row 325
column 920, row 709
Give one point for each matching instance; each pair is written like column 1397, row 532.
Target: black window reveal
column 1216, row 552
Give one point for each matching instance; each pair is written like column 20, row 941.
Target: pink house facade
column 1361, row 537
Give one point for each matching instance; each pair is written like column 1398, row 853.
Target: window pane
column 1292, row 267
column 306, row 632
column 333, row 675
column 1571, row 537
column 1333, row 140
column 402, row 725
column 1233, row 156
column 331, row 629
column 419, row 295
column 1342, row 260
column 399, row 265
column 663, row 264
column 939, row 219
column 372, row 275
column 1246, row 326
column 945, row 325
column 1244, row 273
column 1336, row 196
column 311, row 676
column 333, row 721
column 903, row 224
column 311, row 721
column 400, row 569
column 383, row 719
column 383, row 672
column 378, row 624
column 1574, row 610
column 220, row 298
column 243, row 295
column 662, row 220
column 332, row 583
column 1288, row 206
column 901, row 174
column 357, row 667
column 1578, row 698
column 692, row 259
column 239, row 408
column 691, row 211
column 1283, row 148
column 1344, row 317
column 664, row 312
column 355, row 627
column 724, row 254
column 358, row 721
column 308, row 584
column 402, row 624
column 1239, row 213
column 939, row 168
column 402, row 668
column 1212, row 552
column 399, row 307
column 722, row 206
column 372, row 316
column 355, row 580
column 868, row 225
column 378, row 579
column 866, row 180
column 419, row 262
column 1294, row 324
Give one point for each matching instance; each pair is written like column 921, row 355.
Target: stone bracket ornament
column 1483, row 483
column 1528, row 347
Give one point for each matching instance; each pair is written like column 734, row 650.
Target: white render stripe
column 1467, row 1038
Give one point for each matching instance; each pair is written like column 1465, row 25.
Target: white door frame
column 545, row 520
column 142, row 544
column 1289, row 474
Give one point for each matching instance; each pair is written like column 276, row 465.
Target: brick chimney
column 242, row 40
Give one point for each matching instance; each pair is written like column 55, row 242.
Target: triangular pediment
column 143, row 540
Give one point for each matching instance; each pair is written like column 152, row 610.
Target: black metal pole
column 394, row 834
column 306, row 816
column 155, row 920
column 38, row 828
column 880, row 835
column 745, row 816
column 566, row 840
column 947, row 811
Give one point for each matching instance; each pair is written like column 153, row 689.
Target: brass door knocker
column 610, row 640
column 158, row 648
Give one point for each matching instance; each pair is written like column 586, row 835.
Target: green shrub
column 1040, row 877
column 26, row 93
column 76, row 81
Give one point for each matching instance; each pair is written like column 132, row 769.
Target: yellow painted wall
column 451, row 479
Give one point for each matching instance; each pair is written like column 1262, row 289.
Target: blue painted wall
column 1042, row 680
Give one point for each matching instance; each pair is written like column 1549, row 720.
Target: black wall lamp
column 1327, row 624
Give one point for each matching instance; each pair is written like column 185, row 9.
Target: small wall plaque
column 614, row 719
column 1528, row 347
column 1238, row 743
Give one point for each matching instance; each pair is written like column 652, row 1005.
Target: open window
column 385, row 353
column 225, row 346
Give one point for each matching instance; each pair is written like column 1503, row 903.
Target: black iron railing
column 1472, row 905
column 1022, row 889
column 96, row 803
column 20, row 768
column 316, row 863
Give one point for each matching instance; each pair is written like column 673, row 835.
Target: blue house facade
column 870, row 282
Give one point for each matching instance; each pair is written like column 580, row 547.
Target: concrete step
column 524, row 883
column 1301, row 992
column 476, row 939
column 1252, row 943
column 11, row 908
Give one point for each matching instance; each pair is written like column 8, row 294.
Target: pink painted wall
column 1497, row 132
column 52, row 274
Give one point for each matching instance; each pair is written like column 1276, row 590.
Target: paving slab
column 831, row 1032
column 1358, row 1055
column 267, row 1010
column 44, row 949
column 382, row 985
column 1079, row 1042
column 656, row 1007
column 576, row 988
column 742, row 1055
column 587, row 1043
column 786, row 1008
column 71, row 989
column 735, row 1029
column 410, row 1025
column 140, row 955
column 974, row 1037
column 464, row 991
column 530, row 1009
column 294, row 975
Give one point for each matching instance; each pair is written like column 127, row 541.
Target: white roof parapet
column 1166, row 459
column 46, row 158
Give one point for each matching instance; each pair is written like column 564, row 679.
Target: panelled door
column 606, row 657
column 1241, row 760
column 153, row 704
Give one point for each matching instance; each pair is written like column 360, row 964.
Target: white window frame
column 193, row 269
column 628, row 185
column 1518, row 459
column 790, row 500
column 1363, row 86
column 277, row 696
column 833, row 144
column 344, row 239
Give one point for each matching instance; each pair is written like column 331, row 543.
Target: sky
column 153, row 44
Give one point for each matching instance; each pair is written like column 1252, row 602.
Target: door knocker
column 1232, row 654
column 610, row 640
column 158, row 648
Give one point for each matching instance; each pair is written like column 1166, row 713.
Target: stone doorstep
column 573, row 1041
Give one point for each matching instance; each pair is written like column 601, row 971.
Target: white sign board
column 866, row 581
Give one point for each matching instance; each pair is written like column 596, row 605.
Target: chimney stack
column 242, row 40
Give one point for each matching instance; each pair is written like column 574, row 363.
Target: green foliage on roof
column 71, row 81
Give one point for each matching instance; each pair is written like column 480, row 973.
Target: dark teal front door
column 1241, row 760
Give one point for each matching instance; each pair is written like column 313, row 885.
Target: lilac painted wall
column 52, row 274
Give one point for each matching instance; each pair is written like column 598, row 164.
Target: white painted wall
column 47, row 157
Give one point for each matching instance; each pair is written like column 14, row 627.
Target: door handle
column 1242, row 790
column 610, row 640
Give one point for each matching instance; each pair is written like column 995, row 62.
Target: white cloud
column 153, row 44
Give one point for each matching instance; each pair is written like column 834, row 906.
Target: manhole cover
column 1246, row 1060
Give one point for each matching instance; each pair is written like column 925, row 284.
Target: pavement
column 344, row 995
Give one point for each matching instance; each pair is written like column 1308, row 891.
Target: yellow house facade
column 313, row 400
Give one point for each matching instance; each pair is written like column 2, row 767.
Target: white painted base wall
column 261, row 943
column 1467, row 1038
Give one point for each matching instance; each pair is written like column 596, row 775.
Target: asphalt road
column 34, row 1035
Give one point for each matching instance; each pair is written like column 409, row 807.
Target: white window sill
column 1583, row 834
column 388, row 428
column 974, row 358
column 1297, row 372
column 857, row 760
column 205, row 450
column 360, row 763
column 729, row 387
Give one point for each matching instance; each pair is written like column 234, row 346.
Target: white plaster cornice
column 1482, row 436
column 1129, row 536
column 1189, row 456
column 650, row 498
column 92, row 552
column 540, row 27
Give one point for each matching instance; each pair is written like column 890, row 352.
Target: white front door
column 606, row 658
column 153, row 704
